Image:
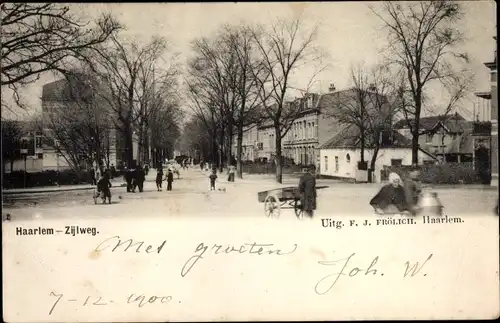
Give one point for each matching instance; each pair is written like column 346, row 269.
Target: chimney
column 331, row 88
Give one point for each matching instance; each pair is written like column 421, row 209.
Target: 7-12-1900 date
column 88, row 301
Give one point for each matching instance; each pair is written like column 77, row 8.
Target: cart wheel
column 272, row 206
column 298, row 209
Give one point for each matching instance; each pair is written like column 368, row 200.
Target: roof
column 429, row 123
column 349, row 136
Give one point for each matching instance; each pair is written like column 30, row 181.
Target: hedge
column 45, row 178
column 449, row 173
column 257, row 168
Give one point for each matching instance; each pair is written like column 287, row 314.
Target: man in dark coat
column 307, row 190
column 139, row 177
column 129, row 179
column 170, row 179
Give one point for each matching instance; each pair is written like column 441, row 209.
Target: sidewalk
column 51, row 189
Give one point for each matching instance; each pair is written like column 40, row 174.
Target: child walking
column 213, row 177
column 159, row 178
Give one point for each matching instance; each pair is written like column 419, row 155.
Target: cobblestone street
column 191, row 197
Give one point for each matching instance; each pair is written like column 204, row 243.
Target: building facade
column 54, row 101
column 490, row 98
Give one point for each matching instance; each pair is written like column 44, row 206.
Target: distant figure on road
column 146, row 169
column 113, row 171
column 232, row 171
column 103, row 187
column 159, row 178
column 307, row 190
column 390, row 196
column 170, row 179
column 139, row 178
column 213, row 177
column 129, row 178
column 92, row 176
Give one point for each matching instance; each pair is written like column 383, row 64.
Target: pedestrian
column 159, row 178
column 139, row 177
column 213, row 177
column 390, row 196
column 146, row 169
column 307, row 190
column 413, row 189
column 170, row 180
column 103, row 187
column 92, row 176
column 113, row 171
column 129, row 179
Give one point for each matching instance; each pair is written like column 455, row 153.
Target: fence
column 270, row 168
column 17, row 179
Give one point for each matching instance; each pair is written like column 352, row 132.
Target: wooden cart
column 282, row 198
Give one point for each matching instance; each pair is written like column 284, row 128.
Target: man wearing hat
column 307, row 190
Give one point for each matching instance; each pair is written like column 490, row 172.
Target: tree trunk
column 416, row 129
column 362, row 143
column 229, row 150
column 239, row 151
column 278, row 159
column 221, row 150
column 129, row 153
column 372, row 163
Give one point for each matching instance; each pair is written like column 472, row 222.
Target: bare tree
column 78, row 128
column 282, row 52
column 212, row 80
column 118, row 67
column 422, row 42
column 41, row 37
column 11, row 136
column 241, row 41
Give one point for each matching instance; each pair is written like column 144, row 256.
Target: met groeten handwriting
column 94, row 301
column 259, row 249
column 254, row 248
column 349, row 271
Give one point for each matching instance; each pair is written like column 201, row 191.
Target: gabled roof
column 349, row 136
column 429, row 123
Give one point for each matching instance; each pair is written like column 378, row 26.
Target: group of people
column 159, row 179
column 400, row 196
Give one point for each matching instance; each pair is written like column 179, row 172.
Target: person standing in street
column 213, row 177
column 170, row 180
column 307, row 190
column 92, row 176
column 159, row 178
column 140, row 177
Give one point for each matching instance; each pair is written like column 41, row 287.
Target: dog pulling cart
column 282, row 198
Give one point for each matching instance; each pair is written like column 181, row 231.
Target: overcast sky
column 348, row 32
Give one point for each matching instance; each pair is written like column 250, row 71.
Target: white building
column 340, row 155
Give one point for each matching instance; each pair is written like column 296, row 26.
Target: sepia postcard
column 249, row 161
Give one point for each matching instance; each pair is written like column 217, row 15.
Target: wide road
column 191, row 197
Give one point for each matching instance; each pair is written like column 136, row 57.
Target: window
column 40, row 156
column 336, row 164
column 396, row 162
column 348, row 158
column 313, row 130
column 326, row 163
